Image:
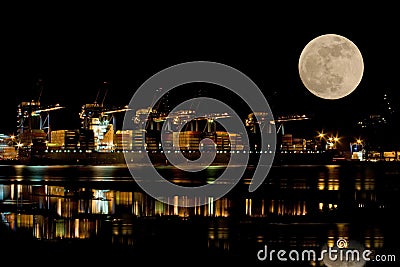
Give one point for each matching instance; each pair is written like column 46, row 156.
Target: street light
column 357, row 149
column 321, row 142
column 333, row 141
column 321, row 135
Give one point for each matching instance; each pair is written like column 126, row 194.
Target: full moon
column 331, row 66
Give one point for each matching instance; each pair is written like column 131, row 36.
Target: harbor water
column 93, row 214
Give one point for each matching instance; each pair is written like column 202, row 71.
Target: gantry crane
column 283, row 119
column 45, row 122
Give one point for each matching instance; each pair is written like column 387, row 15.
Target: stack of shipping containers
column 86, row 140
column 65, row 139
column 123, row 140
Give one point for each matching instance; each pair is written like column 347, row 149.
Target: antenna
column 153, row 101
column 97, row 96
column 105, row 93
column 39, row 83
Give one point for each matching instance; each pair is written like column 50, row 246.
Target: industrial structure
column 98, row 139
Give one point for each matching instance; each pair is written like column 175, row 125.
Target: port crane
column 32, row 116
column 283, row 119
column 99, row 119
column 112, row 113
column 251, row 121
column 45, row 122
column 96, row 112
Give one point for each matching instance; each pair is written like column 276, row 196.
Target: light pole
column 322, row 140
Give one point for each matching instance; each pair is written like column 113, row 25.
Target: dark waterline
column 89, row 214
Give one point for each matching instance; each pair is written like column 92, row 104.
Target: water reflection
column 298, row 206
column 329, row 180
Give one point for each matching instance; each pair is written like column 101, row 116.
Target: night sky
column 75, row 54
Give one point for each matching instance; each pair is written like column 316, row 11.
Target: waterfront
column 96, row 213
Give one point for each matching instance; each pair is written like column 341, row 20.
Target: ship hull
column 159, row 158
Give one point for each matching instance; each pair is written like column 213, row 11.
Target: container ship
column 99, row 142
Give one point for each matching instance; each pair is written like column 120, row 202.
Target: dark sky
column 75, row 53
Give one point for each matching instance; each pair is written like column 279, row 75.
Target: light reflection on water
column 297, row 206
